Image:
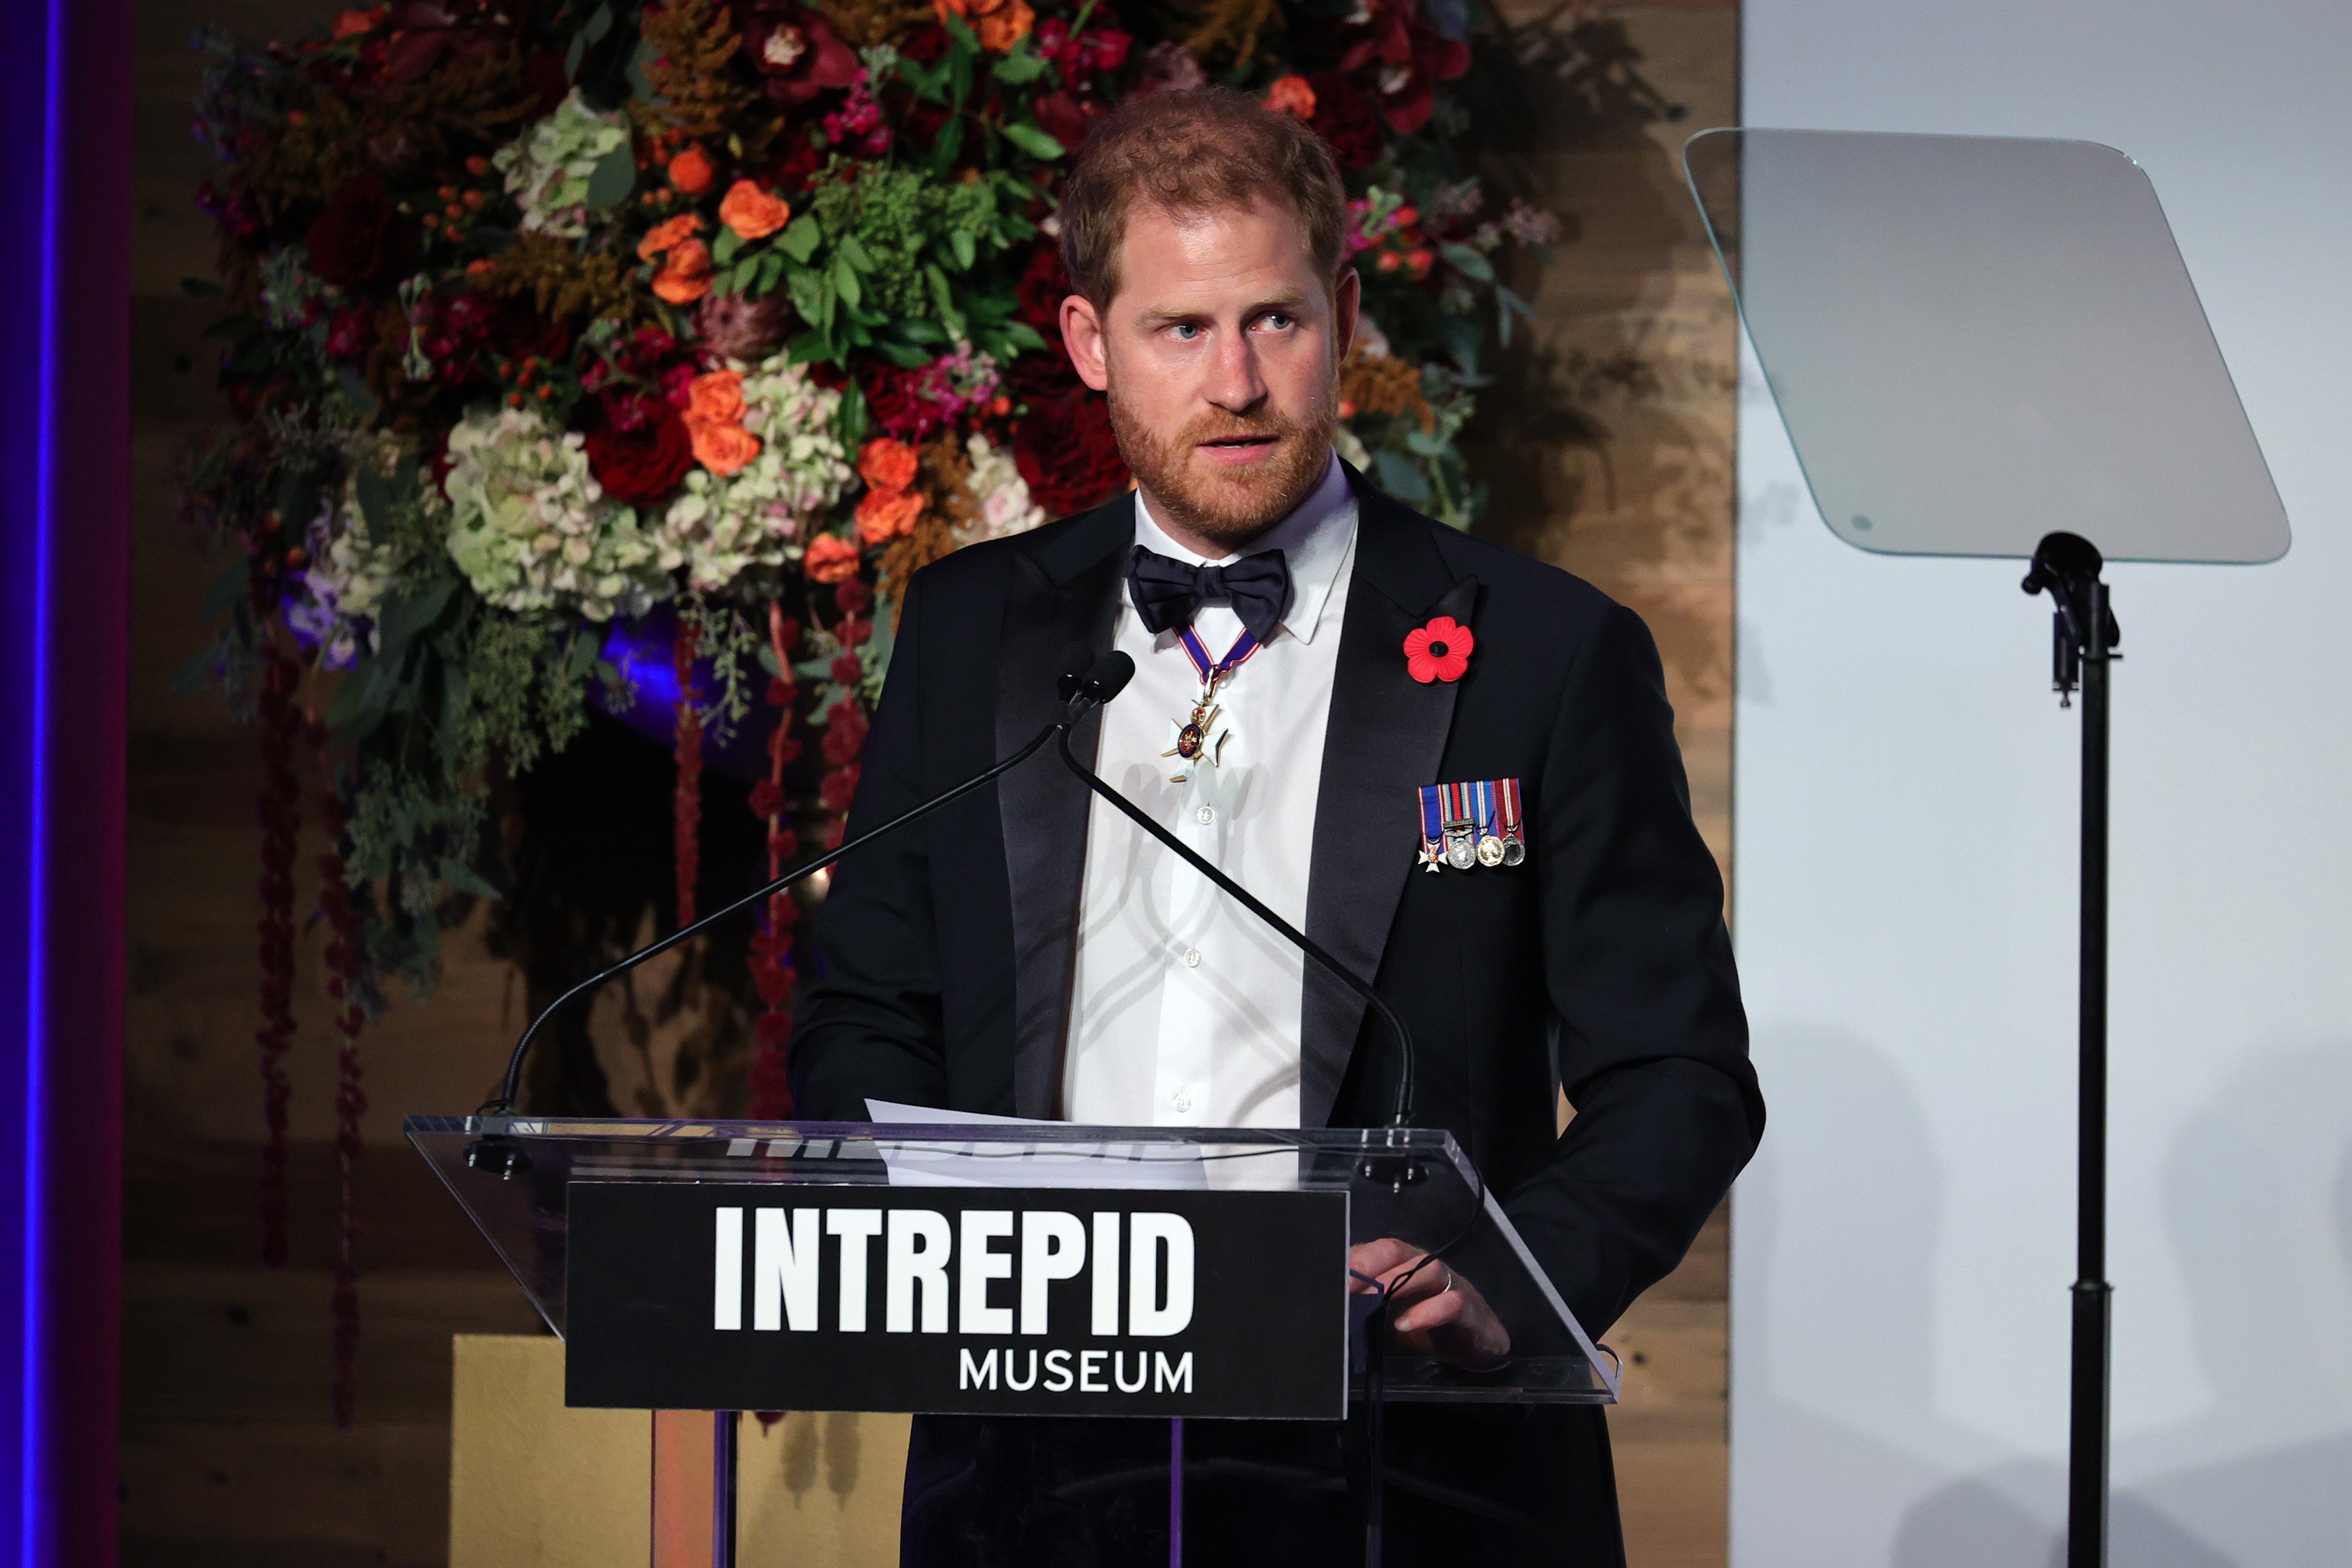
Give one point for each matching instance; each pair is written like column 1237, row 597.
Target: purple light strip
column 37, row 1495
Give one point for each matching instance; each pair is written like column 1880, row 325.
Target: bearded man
column 1032, row 953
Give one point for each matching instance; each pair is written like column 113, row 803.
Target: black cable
column 1312, row 948
column 512, row 1085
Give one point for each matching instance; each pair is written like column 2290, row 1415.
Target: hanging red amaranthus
column 281, row 824
column 687, row 807
column 342, row 957
column 845, row 721
column 771, row 945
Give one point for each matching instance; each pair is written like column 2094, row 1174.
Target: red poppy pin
column 1438, row 652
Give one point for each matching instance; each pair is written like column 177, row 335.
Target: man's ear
column 1346, row 307
column 1082, row 334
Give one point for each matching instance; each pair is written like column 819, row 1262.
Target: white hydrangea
column 999, row 495
column 763, row 514
column 350, row 569
column 531, row 527
column 547, row 167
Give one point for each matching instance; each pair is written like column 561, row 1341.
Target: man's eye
column 1185, row 331
column 1278, row 321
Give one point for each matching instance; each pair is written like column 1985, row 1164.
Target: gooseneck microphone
column 1086, row 686
column 1125, row 672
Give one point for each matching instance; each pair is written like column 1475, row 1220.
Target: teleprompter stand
column 998, row 1268
column 1973, row 340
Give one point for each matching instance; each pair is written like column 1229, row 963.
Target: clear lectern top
column 1414, row 1185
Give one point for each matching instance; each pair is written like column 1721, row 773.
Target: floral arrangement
column 548, row 322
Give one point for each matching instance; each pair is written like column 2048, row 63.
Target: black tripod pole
column 2084, row 640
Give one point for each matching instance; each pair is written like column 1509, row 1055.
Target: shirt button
column 1205, row 815
column 1191, row 957
column 1182, row 1102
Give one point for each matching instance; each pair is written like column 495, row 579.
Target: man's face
column 1221, row 353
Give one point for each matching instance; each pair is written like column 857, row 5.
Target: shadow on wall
column 2251, row 1187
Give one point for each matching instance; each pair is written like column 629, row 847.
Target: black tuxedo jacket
column 1600, row 966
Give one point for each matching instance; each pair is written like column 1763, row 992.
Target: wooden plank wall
column 229, row 1456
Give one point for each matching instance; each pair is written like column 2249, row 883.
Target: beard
column 1232, row 507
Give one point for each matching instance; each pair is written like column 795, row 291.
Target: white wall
column 1904, row 887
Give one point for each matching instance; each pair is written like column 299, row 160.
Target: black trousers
column 1465, row 1487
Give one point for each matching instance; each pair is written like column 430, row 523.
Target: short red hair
column 1203, row 149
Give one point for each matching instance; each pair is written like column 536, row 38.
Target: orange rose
column 999, row 24
column 1001, row 30
column 721, row 445
column 887, row 465
column 684, row 276
column 830, row 559
column 752, row 213
column 888, row 515
column 1290, row 95
column 717, row 396
column 663, row 236
column 691, row 172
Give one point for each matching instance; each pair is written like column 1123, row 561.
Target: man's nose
column 1235, row 383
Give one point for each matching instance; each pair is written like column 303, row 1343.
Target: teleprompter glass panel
column 1975, row 341
column 513, row 1174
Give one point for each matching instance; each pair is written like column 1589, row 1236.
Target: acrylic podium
column 999, row 1269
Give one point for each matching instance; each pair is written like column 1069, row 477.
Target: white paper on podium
column 1078, row 1164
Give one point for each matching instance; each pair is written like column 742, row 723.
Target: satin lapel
column 1385, row 739
column 1065, row 591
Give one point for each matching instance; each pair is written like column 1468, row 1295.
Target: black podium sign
column 951, row 1300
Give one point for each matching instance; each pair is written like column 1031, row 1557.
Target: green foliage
column 888, row 260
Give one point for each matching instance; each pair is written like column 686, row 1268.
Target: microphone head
column 1074, row 662
column 1107, row 678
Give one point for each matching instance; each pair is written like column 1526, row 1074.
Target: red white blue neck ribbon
column 1213, row 671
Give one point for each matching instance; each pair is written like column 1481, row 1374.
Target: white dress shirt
column 1186, row 1010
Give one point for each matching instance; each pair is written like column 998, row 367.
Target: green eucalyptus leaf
column 1021, row 335
column 1467, row 262
column 1031, row 139
column 801, row 238
column 915, row 329
column 723, row 248
column 465, row 879
column 1400, row 477
column 966, row 250
column 950, row 144
column 852, row 251
column 772, row 268
column 906, row 356
column 1022, row 67
column 614, row 176
column 844, row 282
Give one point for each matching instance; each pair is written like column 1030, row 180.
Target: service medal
column 1514, row 842
column 1461, row 838
column 1482, row 808
column 1433, row 829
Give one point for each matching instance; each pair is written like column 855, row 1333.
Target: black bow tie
column 1171, row 592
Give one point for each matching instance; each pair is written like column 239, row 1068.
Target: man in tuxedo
column 1029, row 952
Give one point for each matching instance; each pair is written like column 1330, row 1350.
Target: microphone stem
column 1249, row 901
column 512, row 1086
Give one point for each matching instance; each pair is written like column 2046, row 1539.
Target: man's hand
column 1436, row 1311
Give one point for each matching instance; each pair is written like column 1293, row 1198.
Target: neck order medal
column 1198, row 739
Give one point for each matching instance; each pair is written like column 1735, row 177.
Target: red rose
column 1065, row 119
column 1046, row 377
column 1045, row 283
column 1345, row 119
column 795, row 50
column 897, row 406
column 638, row 448
column 1068, row 453
column 361, row 240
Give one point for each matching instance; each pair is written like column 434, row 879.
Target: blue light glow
column 37, row 1493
